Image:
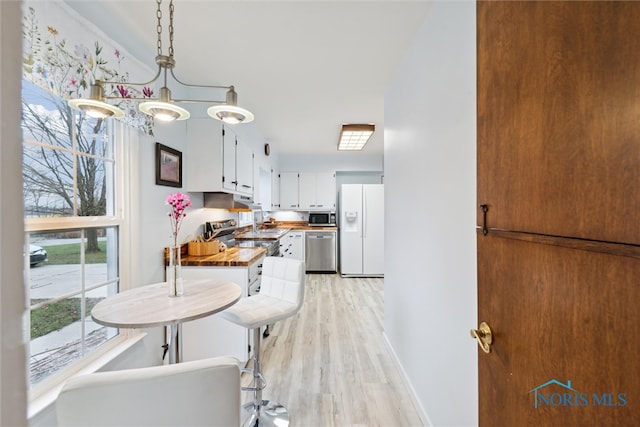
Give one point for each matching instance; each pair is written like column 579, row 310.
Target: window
column 73, row 177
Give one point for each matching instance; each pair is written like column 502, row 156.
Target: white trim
column 70, row 223
column 45, row 394
column 407, row 382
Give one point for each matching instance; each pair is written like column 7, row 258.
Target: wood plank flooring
column 329, row 365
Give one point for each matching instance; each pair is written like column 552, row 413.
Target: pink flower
column 178, row 202
column 147, row 92
column 117, row 53
column 124, row 92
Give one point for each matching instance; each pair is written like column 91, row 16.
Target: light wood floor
column 329, row 365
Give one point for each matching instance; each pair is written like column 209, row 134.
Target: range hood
column 231, row 202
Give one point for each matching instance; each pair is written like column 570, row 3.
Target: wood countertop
column 232, row 257
column 297, row 226
column 263, row 234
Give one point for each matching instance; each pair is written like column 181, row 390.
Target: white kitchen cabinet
column 204, row 156
column 317, row 190
column 307, row 184
column 262, row 190
column 212, row 336
column 275, row 189
column 326, row 191
column 244, row 169
column 229, row 142
column 292, row 245
column 289, row 190
column 216, row 160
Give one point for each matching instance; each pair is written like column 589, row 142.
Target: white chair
column 199, row 393
column 281, row 296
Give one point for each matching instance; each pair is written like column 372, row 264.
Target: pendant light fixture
column 164, row 107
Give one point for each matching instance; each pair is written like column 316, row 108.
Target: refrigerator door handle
column 364, row 213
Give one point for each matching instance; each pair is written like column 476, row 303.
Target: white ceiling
column 302, row 67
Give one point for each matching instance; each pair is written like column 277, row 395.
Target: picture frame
column 168, row 166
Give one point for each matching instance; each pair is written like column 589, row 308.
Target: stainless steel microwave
column 318, row 219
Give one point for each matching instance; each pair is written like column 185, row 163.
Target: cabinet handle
column 246, row 186
column 234, row 182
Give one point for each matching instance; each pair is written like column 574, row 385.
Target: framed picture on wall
column 168, row 166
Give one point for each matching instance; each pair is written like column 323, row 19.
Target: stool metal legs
column 262, row 412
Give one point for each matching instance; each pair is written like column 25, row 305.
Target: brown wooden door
column 558, row 170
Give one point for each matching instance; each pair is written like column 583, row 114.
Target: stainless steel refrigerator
column 362, row 230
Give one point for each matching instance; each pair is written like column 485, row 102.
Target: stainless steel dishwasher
column 321, row 248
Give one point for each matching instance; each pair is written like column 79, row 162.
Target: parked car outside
column 37, row 254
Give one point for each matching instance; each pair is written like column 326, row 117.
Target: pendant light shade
column 95, row 106
column 229, row 112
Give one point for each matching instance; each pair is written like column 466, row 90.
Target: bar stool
column 281, row 296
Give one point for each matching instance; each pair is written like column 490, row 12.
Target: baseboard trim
column 422, row 414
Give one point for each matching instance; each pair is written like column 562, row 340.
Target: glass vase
column 174, row 272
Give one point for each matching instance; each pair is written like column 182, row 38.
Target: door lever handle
column 484, row 336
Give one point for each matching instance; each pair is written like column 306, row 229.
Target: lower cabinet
column 213, row 336
column 292, row 245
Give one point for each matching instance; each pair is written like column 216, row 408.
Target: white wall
column 13, row 392
column 343, row 161
column 429, row 156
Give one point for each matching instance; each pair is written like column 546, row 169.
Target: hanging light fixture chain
column 171, row 29
column 159, row 27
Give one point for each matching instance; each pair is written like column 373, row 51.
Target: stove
column 224, row 232
column 221, row 231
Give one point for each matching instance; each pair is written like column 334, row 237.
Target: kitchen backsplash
column 287, row 215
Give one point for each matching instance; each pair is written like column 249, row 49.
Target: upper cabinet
column 275, row 189
column 289, row 190
column 262, row 189
column 216, row 159
column 307, row 191
column 204, row 156
column 317, row 190
column 243, row 169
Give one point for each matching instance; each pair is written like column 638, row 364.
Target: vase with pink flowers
column 179, row 202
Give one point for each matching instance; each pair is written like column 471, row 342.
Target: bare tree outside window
column 64, row 144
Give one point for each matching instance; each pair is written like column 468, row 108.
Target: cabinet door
column 297, row 248
column 289, row 190
column 275, row 189
column 326, row 190
column 308, row 184
column 204, row 155
column 229, row 141
column 244, row 168
column 262, row 189
column 292, row 245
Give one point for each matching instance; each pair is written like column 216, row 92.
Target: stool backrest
column 283, row 278
column 195, row 393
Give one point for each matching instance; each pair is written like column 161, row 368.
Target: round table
column 150, row 306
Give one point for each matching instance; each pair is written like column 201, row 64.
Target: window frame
column 125, row 157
